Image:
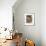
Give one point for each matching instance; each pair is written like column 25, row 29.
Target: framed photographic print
column 29, row 19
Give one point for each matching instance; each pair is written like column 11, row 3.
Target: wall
column 29, row 32
column 6, row 16
column 6, row 13
column 43, row 22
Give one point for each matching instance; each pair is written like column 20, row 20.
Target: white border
column 32, row 19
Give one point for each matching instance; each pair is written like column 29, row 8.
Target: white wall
column 26, row 7
column 6, row 13
column 31, row 32
column 43, row 22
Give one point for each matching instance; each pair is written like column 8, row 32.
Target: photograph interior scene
column 22, row 22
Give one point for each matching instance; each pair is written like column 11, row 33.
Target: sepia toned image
column 29, row 19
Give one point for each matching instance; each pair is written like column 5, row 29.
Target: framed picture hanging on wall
column 29, row 19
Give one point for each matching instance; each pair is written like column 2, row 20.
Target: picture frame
column 29, row 19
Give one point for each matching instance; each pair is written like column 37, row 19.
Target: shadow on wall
column 26, row 7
